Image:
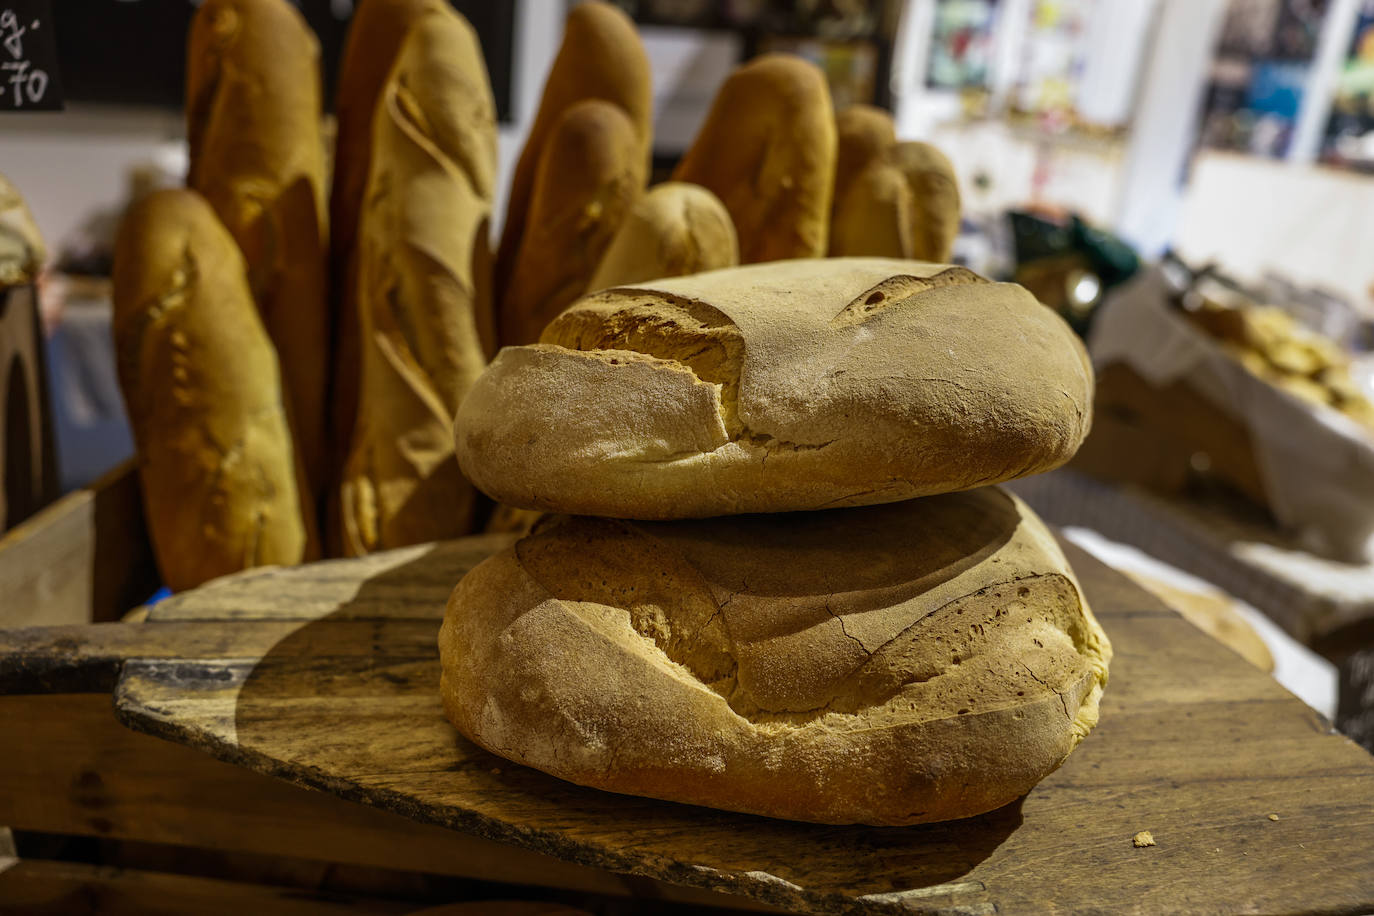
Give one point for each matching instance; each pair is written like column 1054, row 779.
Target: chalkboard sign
column 133, row 52
column 29, row 75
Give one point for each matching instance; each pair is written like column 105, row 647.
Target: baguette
column 220, row 480
column 425, row 289
column 591, row 173
column 767, row 150
column 903, row 204
column 601, row 58
column 374, row 38
column 253, row 125
column 864, row 134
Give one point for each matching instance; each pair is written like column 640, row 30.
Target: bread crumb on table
column 1142, row 839
column 1273, row 817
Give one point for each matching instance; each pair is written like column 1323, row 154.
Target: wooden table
column 326, row 676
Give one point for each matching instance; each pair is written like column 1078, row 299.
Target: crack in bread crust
column 691, row 334
column 929, row 662
column 899, row 290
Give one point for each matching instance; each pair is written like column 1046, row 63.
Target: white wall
column 1252, row 215
column 67, row 164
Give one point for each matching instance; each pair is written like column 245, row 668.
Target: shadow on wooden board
column 334, row 686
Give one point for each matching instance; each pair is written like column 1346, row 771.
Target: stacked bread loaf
column 748, row 607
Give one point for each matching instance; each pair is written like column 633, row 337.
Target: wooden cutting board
column 326, row 675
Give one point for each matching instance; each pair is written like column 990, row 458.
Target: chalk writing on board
column 23, row 83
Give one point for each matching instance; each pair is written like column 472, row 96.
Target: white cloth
column 1316, row 463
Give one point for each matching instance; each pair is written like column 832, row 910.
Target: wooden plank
column 39, row 887
column 87, row 659
column 85, row 558
column 82, row 773
column 1195, row 745
column 410, row 582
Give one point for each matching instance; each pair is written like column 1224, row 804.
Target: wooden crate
column 84, row 559
column 28, row 465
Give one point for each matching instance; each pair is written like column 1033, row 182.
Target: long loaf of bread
column 590, row 175
column 892, row 200
column 200, row 379
column 425, row 293
column 864, row 134
column 767, row 150
column 253, row 123
column 601, row 58
column 374, row 39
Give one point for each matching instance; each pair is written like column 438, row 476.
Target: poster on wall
column 1349, row 136
column 961, row 44
column 1053, row 58
column 1259, row 73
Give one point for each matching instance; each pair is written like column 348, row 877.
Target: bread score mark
column 899, row 290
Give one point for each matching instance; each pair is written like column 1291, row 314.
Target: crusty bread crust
column 777, row 387
column 897, row 664
column 202, row 388
column 425, row 289
column 253, row 126
column 601, row 57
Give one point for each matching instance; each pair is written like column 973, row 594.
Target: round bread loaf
column 920, row 661
column 793, row 385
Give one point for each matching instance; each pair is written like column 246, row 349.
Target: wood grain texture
column 84, row 558
column 1194, row 745
column 83, row 774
